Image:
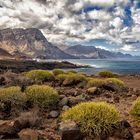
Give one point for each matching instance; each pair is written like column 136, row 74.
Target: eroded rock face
column 30, row 43
column 70, row 131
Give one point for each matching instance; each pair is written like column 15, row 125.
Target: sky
column 108, row 24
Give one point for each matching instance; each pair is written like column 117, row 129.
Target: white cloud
column 102, row 47
column 59, row 21
column 129, row 48
column 99, row 15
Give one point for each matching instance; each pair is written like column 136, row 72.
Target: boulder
column 65, row 108
column 75, row 100
column 54, row 114
column 123, row 131
column 92, row 90
column 137, row 136
column 69, row 131
column 28, row 134
column 110, row 87
column 9, row 127
column 63, row 102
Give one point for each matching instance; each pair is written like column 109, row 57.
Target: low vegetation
column 135, row 109
column 40, row 75
column 58, row 71
column 107, row 74
column 95, row 118
column 116, row 81
column 42, row 95
column 95, row 82
column 12, row 94
column 71, row 78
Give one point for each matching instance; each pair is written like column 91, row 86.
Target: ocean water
column 121, row 66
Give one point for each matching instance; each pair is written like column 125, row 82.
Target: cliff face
column 30, row 43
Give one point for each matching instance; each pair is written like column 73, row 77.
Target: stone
column 75, row 100
column 65, row 108
column 54, row 114
column 116, row 99
column 9, row 127
column 2, row 80
column 28, row 134
column 92, row 90
column 110, row 87
column 123, row 131
column 63, row 102
column 69, row 131
column 137, row 136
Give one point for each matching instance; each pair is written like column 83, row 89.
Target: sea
column 122, row 66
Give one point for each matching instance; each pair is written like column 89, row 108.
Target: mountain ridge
column 30, row 43
column 91, row 52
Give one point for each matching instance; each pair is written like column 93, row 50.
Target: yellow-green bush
column 13, row 94
column 42, row 95
column 71, row 72
column 95, row 82
column 58, row 71
column 135, row 109
column 40, row 75
column 71, row 78
column 61, row 77
column 116, row 81
column 107, row 74
column 95, row 118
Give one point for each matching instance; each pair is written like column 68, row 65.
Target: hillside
column 30, row 43
column 91, row 52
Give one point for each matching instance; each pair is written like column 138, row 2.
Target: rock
column 137, row 136
column 116, row 99
column 28, row 134
column 108, row 95
column 65, row 108
column 123, row 131
column 63, row 102
column 2, row 80
column 92, row 90
column 29, row 119
column 110, row 87
column 75, row 100
column 10, row 127
column 48, row 134
column 69, row 131
column 54, row 114
column 61, row 96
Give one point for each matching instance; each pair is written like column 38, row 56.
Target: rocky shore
column 24, row 119
column 18, row 66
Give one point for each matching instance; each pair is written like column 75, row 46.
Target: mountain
column 29, row 43
column 91, row 52
column 4, row 54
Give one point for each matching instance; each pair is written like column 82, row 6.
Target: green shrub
column 116, row 81
column 42, row 95
column 135, row 109
column 40, row 75
column 95, row 82
column 71, row 72
column 58, row 71
column 107, row 74
column 71, row 79
column 12, row 94
column 95, row 118
column 61, row 77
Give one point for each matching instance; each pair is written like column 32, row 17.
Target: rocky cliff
column 30, row 43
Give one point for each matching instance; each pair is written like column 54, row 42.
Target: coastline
column 21, row 65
